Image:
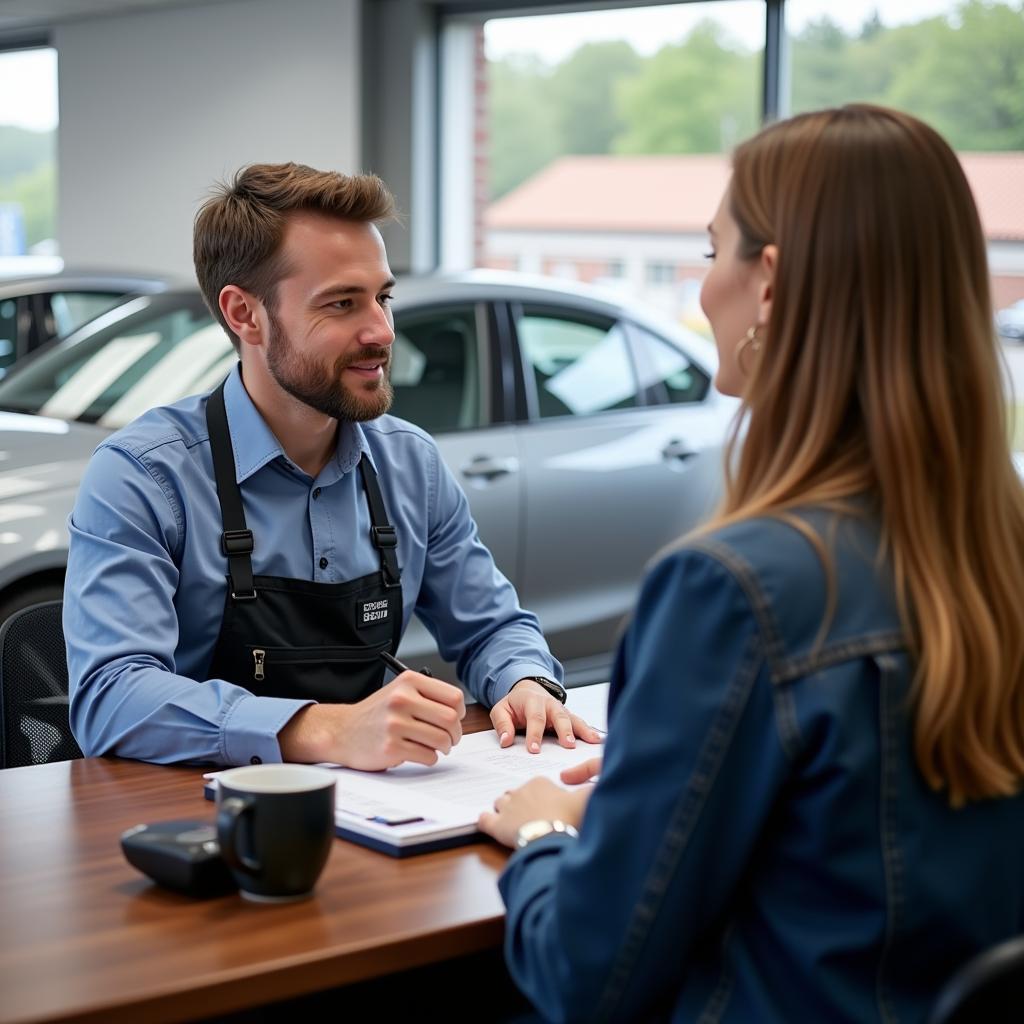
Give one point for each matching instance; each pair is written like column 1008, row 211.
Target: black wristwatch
column 556, row 691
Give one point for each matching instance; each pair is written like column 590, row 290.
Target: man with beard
column 240, row 560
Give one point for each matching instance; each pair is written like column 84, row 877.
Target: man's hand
column 410, row 719
column 539, row 798
column 528, row 705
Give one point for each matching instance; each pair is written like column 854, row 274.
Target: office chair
column 989, row 988
column 34, row 726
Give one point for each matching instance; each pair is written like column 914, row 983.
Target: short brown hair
column 239, row 229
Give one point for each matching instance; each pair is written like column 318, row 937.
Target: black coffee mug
column 275, row 825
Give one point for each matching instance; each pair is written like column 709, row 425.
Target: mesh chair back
column 988, row 988
column 34, row 727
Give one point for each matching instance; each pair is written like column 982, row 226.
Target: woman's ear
column 767, row 262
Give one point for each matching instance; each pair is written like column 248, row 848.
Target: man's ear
column 243, row 313
column 767, row 262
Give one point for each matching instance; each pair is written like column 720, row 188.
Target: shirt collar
column 254, row 444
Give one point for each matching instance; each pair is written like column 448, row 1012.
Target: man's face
column 332, row 329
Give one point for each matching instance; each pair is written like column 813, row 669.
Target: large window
column 603, row 140
column 960, row 67
column 28, row 159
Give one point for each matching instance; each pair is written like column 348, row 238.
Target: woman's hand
column 585, row 771
column 540, row 798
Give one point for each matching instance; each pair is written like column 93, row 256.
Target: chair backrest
column 989, row 988
column 34, row 726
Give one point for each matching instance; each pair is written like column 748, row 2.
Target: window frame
column 657, row 391
column 403, row 102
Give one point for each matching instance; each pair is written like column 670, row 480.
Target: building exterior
column 639, row 223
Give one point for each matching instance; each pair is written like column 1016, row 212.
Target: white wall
column 157, row 106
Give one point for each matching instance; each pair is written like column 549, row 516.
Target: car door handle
column 678, row 450
column 483, row 467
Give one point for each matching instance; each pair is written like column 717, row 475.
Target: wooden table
column 85, row 937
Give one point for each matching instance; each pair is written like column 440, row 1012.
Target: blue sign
column 12, row 230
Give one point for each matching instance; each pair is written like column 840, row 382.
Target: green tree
column 523, row 136
column 698, row 96
column 968, row 82
column 582, row 92
column 872, row 25
column 22, row 150
column 28, row 178
column 36, row 194
column 964, row 76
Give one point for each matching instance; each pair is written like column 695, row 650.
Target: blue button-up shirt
column 146, row 579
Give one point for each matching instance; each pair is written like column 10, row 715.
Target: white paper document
column 413, row 807
column 448, row 797
column 591, row 704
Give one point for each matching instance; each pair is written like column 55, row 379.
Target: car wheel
column 29, row 596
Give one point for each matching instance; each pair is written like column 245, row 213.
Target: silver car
column 586, row 434
column 35, row 308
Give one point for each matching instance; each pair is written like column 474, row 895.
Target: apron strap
column 236, row 540
column 382, row 533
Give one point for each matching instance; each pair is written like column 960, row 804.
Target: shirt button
column 316, row 493
column 255, row 760
column 323, row 563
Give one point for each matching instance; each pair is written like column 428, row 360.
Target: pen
column 383, row 819
column 396, row 666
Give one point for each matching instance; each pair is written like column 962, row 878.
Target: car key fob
column 182, row 855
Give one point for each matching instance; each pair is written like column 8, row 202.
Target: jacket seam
column 681, row 824
column 722, row 993
column 892, row 861
column 868, row 644
column 786, row 720
column 745, row 576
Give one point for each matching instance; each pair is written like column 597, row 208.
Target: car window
column 8, row 333
column 663, row 365
column 72, row 309
column 579, row 366
column 113, row 375
column 435, row 369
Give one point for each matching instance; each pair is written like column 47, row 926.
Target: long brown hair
column 879, row 376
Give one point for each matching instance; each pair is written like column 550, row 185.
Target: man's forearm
column 148, row 713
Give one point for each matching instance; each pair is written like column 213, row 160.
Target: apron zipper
column 258, row 656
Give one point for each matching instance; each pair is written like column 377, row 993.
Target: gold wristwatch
column 542, row 827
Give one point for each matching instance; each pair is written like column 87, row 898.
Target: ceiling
column 30, row 18
column 25, row 16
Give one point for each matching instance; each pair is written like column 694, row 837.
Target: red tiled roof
column 997, row 181
column 679, row 194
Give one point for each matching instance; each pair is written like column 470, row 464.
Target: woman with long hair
column 809, row 806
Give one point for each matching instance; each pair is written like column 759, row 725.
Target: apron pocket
column 263, row 659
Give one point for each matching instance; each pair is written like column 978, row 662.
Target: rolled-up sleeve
column 470, row 607
column 121, row 629
column 600, row 928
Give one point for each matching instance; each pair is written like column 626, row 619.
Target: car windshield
column 112, row 372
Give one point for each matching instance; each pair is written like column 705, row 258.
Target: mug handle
column 229, row 817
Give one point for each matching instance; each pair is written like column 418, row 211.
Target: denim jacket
column 761, row 846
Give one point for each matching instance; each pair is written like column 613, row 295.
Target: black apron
column 300, row 638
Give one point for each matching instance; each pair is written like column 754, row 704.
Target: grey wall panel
column 154, row 107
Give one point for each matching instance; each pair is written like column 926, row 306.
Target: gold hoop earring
column 750, row 342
